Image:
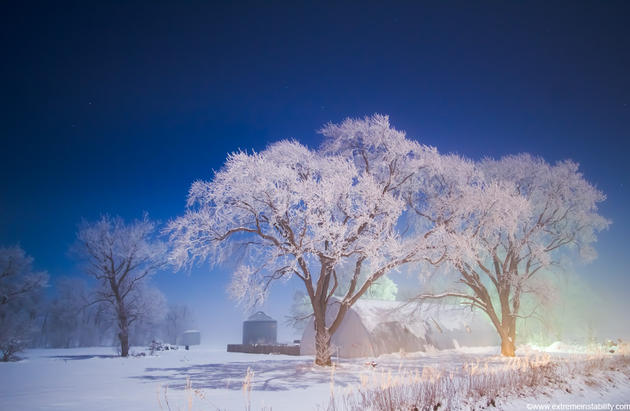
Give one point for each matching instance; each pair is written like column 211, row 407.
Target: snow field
column 210, row 379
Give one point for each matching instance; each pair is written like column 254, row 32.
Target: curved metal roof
column 260, row 316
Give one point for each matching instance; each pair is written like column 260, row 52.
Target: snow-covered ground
column 209, row 378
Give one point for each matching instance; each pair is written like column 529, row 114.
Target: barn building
column 373, row 327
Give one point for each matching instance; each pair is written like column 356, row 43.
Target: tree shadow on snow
column 83, row 357
column 279, row 375
column 269, row 375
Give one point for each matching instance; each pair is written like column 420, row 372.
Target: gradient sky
column 116, row 108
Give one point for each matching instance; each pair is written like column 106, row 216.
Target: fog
column 587, row 305
column 583, row 306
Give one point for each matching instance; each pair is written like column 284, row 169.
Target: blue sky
column 117, row 108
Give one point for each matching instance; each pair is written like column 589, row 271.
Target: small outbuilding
column 259, row 328
column 260, row 335
column 191, row 337
column 373, row 327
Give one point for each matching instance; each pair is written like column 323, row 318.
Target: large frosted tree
column 292, row 212
column 508, row 221
column 122, row 257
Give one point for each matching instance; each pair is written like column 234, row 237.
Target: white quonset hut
column 373, row 327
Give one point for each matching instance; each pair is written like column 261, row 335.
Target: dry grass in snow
column 480, row 385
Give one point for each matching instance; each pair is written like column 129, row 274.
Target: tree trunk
column 123, row 321
column 507, row 346
column 123, row 336
column 322, row 348
column 322, row 338
column 508, row 336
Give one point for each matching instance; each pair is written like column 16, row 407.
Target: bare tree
column 178, row 319
column 67, row 314
column 152, row 313
column 20, row 286
column 121, row 257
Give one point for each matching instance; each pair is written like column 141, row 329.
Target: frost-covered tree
column 178, row 319
column 20, row 287
column 302, row 213
column 121, row 258
column 508, row 220
column 72, row 318
column 68, row 319
column 151, row 315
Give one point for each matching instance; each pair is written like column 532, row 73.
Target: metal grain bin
column 259, row 328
